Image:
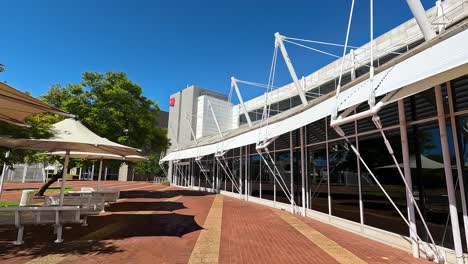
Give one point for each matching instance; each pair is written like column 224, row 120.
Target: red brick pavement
column 148, row 227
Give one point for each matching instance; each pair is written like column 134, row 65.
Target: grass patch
column 8, row 204
column 165, row 183
column 55, row 190
column 50, row 190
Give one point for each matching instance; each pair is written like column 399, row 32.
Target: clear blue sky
column 166, row 45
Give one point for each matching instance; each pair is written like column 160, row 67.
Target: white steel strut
column 199, row 157
column 300, row 90
column 241, row 100
column 373, row 112
column 219, row 155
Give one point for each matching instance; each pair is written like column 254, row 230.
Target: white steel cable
column 285, row 188
column 378, row 125
column 320, row 42
column 227, row 174
column 313, row 49
column 434, row 249
column 202, row 168
column 350, row 19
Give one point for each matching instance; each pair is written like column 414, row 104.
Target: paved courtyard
column 158, row 224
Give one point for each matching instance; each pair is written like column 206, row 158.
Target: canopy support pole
column 99, row 174
column 292, row 72
column 64, row 176
column 241, row 100
column 448, row 175
column 4, row 171
column 407, row 171
column 457, row 159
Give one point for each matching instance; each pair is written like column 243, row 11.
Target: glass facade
column 338, row 184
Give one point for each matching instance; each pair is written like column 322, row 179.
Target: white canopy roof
column 70, row 135
column 441, row 62
column 98, row 156
column 426, row 163
column 16, row 106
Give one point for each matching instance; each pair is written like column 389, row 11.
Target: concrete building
column 377, row 150
column 183, row 109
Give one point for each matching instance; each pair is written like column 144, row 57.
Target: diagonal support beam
column 300, row 90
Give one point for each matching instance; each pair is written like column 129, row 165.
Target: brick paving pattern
column 158, row 224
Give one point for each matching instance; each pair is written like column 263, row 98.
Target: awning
column 16, row 106
column 70, row 135
column 97, row 156
column 444, row 61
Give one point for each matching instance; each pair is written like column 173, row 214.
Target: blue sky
column 166, row 45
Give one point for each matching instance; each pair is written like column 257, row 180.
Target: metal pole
column 301, row 134
column 64, row 176
column 92, row 172
column 420, row 15
column 407, row 171
column 328, row 169
column 99, row 174
column 240, row 171
column 448, row 176
column 291, row 170
column 246, row 178
column 241, row 100
column 457, row 159
column 292, row 72
column 25, row 170
column 4, row 171
column 361, row 204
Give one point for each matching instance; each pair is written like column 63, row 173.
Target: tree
column 112, row 106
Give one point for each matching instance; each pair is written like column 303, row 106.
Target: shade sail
column 98, row 156
column 426, row 163
column 445, row 60
column 70, row 135
column 16, row 106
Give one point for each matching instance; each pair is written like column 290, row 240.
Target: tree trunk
column 49, row 183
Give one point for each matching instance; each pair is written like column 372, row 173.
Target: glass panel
column 429, row 181
column 283, row 163
column 317, row 178
column 343, row 181
column 378, row 211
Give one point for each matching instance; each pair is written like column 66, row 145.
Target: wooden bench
column 88, row 205
column 39, row 215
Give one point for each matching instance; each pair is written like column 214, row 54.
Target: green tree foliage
column 112, row 106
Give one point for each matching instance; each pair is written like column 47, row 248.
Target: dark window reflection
column 343, row 181
column 317, row 178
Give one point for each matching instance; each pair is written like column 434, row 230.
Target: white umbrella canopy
column 98, row 156
column 426, row 163
column 69, row 135
column 16, row 106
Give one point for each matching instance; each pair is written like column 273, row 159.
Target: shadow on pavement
column 145, row 206
column 160, row 194
column 99, row 237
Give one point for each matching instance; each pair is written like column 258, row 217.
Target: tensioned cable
column 227, row 173
column 320, row 42
column 388, row 196
column 338, row 88
column 378, row 125
column 280, row 183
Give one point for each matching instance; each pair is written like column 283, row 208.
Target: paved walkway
column 158, row 224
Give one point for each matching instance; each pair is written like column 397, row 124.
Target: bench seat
column 39, row 215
